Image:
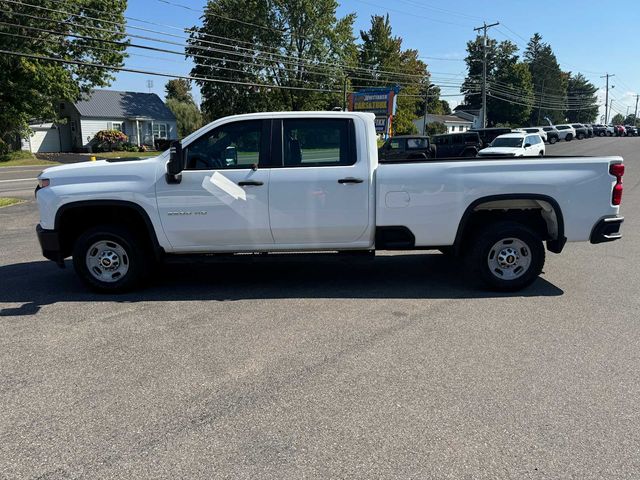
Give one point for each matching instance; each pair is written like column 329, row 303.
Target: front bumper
column 50, row 245
column 607, row 230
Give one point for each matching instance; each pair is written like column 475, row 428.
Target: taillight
column 617, row 170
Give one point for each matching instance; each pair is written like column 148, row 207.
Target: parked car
column 451, row 145
column 620, row 131
column 553, row 135
column 515, row 145
column 488, row 134
column 581, row 131
column 589, row 130
column 403, row 147
column 308, row 182
column 611, row 130
column 599, row 130
column 631, row 131
column 539, row 130
column 566, row 132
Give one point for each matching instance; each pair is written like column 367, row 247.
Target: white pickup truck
column 311, row 181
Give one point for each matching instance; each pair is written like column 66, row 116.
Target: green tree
column 507, row 84
column 180, row 101
column 514, row 104
column 582, row 99
column 383, row 63
column 618, row 119
column 549, row 82
column 179, row 89
column 301, row 46
column 31, row 88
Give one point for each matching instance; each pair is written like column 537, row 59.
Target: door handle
column 250, row 183
column 350, row 180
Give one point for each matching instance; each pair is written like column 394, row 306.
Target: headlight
column 43, row 182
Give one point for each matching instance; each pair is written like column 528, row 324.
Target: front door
column 319, row 196
column 222, row 201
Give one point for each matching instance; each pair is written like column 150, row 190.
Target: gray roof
column 113, row 104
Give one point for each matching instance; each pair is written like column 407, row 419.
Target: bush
column 109, row 140
column 162, row 144
column 436, row 128
column 4, row 148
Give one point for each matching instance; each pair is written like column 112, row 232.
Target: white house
column 141, row 116
column 453, row 123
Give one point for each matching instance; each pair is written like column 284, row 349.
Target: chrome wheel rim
column 509, row 259
column 107, row 261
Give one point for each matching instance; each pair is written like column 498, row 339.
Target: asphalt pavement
column 395, row 368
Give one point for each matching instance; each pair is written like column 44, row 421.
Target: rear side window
column 318, row 142
column 417, row 143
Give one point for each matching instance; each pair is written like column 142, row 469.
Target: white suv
column 566, row 132
column 515, row 145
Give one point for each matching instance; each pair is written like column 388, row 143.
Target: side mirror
column 176, row 162
column 231, row 156
column 527, row 145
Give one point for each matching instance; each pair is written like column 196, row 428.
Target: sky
column 588, row 37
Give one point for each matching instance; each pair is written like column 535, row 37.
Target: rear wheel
column 552, row 140
column 580, row 136
column 569, row 137
column 506, row 256
column 110, row 258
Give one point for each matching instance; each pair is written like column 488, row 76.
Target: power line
column 443, row 84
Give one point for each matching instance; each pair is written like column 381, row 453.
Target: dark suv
column 581, row 131
column 405, row 147
column 487, row 135
column 599, row 130
column 449, row 145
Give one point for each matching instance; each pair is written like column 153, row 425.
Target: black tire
column 484, row 244
column 552, row 140
column 132, row 254
column 569, row 137
column 580, row 136
column 541, row 154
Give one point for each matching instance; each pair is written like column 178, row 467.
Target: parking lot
column 397, row 368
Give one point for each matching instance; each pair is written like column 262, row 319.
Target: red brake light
column 617, row 170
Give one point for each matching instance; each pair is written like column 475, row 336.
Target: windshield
column 512, row 142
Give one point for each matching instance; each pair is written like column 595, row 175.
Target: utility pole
column 540, row 102
column 606, row 101
column 344, row 93
column 635, row 115
column 426, row 104
column 484, row 27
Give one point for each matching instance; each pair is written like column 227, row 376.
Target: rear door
column 319, row 196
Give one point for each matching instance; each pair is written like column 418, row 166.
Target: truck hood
column 501, row 151
column 101, row 171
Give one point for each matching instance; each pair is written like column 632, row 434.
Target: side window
column 234, row 145
column 529, row 140
column 319, row 142
column 417, row 143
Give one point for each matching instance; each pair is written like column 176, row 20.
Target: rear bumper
column 607, row 230
column 50, row 244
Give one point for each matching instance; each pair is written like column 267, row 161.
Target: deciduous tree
column 31, row 88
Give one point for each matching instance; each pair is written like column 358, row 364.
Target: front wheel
column 552, row 140
column 506, row 256
column 110, row 259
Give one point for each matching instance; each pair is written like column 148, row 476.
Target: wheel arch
column 71, row 219
column 505, row 204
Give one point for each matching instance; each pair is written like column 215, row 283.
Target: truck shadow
column 410, row 276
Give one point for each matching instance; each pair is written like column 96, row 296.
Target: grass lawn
column 126, row 154
column 5, row 202
column 22, row 159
